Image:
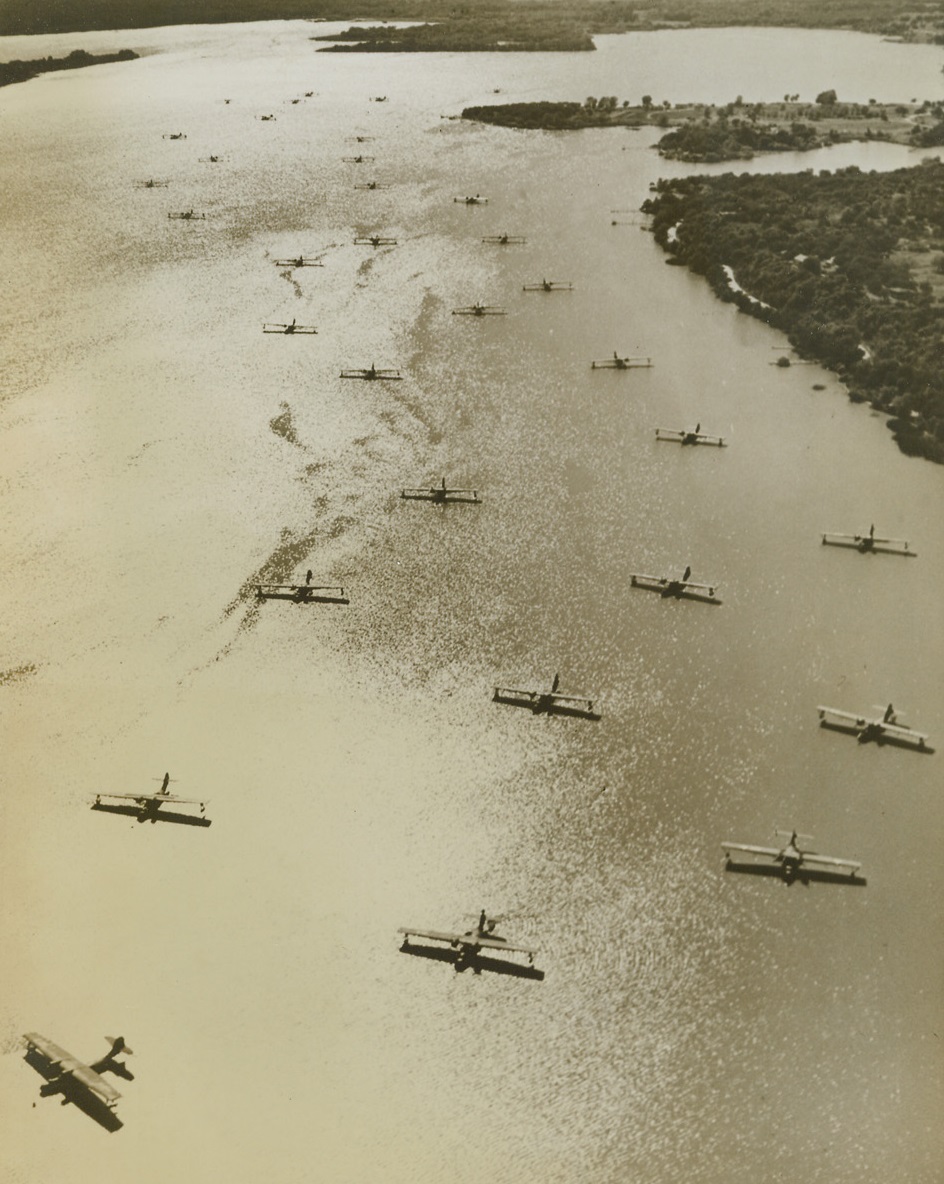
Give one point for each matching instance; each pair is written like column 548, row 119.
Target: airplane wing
column 68, row 1066
column 750, row 849
column 491, row 943
column 142, row 798
column 703, row 587
column 904, row 732
column 850, row 715
column 809, row 857
column 583, row 699
column 433, row 935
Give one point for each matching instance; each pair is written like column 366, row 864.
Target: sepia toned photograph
column 491, row 734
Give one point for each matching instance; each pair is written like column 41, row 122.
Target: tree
column 826, row 98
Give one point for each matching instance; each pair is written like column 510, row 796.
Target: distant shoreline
column 707, row 133
column 17, row 71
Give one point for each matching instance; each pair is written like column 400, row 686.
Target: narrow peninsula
column 850, row 265
column 18, row 71
column 706, row 133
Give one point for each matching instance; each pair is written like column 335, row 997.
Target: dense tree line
column 889, row 17
column 17, row 71
column 464, row 34
column 841, row 259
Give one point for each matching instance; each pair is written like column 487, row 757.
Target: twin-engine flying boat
column 504, row 240
column 680, row 588
column 372, row 373
column 479, row 310
column 149, row 803
column 441, row 493
column 292, row 327
column 299, row 261
column 473, row 949
column 550, row 702
column 683, row 436
column 883, row 729
column 868, row 543
column 791, row 858
column 67, row 1075
column 307, row 593
column 549, row 286
column 634, row 362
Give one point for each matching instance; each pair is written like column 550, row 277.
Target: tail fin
column 118, row 1046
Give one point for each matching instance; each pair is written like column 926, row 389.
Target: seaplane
column 148, row 804
column 378, row 98
column 211, row 159
column 883, row 729
column 472, row 200
column 441, row 493
column 188, row 216
column 174, row 136
column 271, row 327
column 682, row 436
column 374, row 240
column 504, row 240
column 299, row 261
column 72, row 1078
column 549, row 286
column 479, row 310
column 791, row 861
column 151, row 183
column 550, row 702
column 683, row 587
column 361, row 139
column 307, row 593
column 867, row 543
column 618, row 363
column 360, row 159
column 372, row 373
column 473, row 949
column 266, row 118
column 372, row 185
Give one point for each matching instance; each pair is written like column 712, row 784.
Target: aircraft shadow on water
column 805, row 875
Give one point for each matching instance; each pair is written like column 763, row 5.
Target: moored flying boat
column 794, row 862
column 299, row 261
column 372, row 373
column 504, row 240
column 883, row 729
column 360, row 159
column 683, row 587
column 683, row 436
column 307, row 593
column 69, row 1076
column 372, row 185
column 151, row 183
column 550, row 702
column 150, row 803
column 476, row 200
column 374, row 240
column 272, row 327
column 618, row 363
column 174, row 136
column 441, row 493
column 479, row 310
column 549, row 286
column 473, row 949
column 868, row 543
column 187, row 216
